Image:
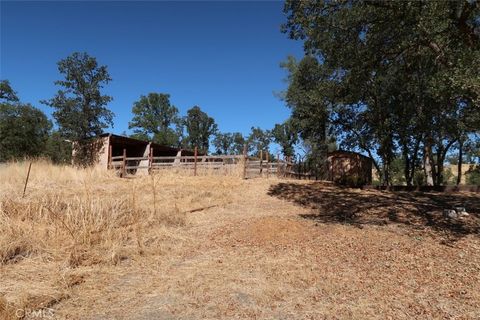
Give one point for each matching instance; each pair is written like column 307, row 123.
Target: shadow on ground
column 416, row 210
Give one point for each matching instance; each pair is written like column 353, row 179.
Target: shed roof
column 132, row 141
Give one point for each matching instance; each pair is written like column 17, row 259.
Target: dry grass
column 89, row 245
column 88, row 217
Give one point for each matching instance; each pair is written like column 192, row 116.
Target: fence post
column 245, row 161
column 268, row 164
column 124, row 164
column 286, row 167
column 195, row 165
column 151, row 165
column 109, row 164
column 278, row 164
column 261, row 162
column 150, row 160
column 26, row 180
column 299, row 167
column 289, row 166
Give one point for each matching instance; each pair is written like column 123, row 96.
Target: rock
column 450, row 214
column 461, row 211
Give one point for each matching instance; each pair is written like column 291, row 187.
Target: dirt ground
column 282, row 249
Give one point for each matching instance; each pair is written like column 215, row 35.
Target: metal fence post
column 195, row 165
column 261, row 162
column 245, row 161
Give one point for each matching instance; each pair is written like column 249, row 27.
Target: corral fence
column 247, row 166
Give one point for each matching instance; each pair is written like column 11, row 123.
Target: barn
column 112, row 145
column 349, row 168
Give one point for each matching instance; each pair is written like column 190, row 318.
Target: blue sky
column 222, row 56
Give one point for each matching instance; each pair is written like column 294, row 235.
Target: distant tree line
column 25, row 131
column 398, row 81
column 81, row 113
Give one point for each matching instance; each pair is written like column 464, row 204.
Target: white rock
column 450, row 214
column 461, row 211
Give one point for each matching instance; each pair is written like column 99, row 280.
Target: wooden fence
column 250, row 166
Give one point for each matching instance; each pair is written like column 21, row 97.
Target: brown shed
column 349, row 168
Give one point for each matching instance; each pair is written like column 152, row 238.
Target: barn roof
column 115, row 138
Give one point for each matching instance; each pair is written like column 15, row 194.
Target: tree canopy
column 258, row 141
column 155, row 118
column 200, row 127
column 24, row 129
column 80, row 107
column 7, row 94
column 228, row 143
column 285, row 135
column 396, row 79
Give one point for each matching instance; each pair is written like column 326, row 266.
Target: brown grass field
column 84, row 244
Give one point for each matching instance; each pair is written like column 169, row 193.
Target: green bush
column 473, row 177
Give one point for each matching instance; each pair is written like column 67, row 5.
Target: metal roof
column 132, row 141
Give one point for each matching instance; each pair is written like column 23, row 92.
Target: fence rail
column 252, row 166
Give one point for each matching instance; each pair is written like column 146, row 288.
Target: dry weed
column 86, row 217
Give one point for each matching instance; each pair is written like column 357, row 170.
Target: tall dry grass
column 89, row 216
column 74, row 218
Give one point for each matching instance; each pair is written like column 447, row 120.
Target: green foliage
column 7, row 94
column 200, row 127
column 398, row 77
column 238, row 143
column 80, row 108
column 419, row 178
column 448, row 177
column 286, row 136
column 155, row 118
column 138, row 135
column 305, row 96
column 308, row 83
column 258, row 140
column 228, row 143
column 453, row 159
column 23, row 131
column 57, row 149
column 473, row 177
column 396, row 171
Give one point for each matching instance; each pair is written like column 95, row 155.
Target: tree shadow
column 415, row 210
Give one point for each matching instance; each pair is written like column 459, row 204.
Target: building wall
column 103, row 153
column 144, row 163
column 350, row 169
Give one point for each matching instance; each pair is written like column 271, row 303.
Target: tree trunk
column 439, row 169
column 414, row 161
column 406, row 168
column 386, row 174
column 427, row 165
column 439, row 180
column 407, row 172
column 460, row 162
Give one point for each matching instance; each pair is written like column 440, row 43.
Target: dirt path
column 262, row 249
column 258, row 258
